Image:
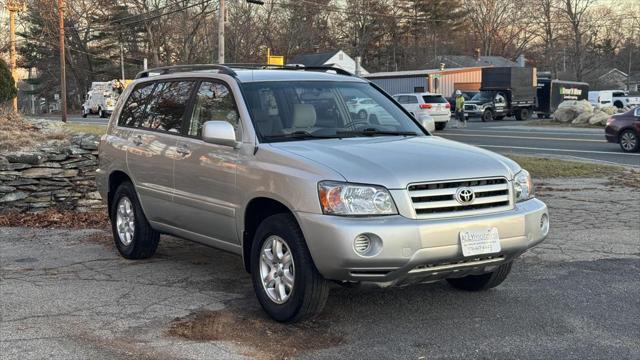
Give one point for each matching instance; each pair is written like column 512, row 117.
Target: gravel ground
column 67, row 295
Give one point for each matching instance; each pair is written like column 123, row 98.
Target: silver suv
column 272, row 165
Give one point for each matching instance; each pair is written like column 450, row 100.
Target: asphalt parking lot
column 66, row 294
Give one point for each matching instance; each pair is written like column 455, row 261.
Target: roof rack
column 223, row 69
column 288, row 67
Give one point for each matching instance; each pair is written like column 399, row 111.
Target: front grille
column 437, row 199
column 470, row 107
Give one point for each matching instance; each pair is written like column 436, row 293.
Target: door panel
column 154, row 112
column 206, row 196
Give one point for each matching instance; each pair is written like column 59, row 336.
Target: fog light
column 362, row 244
column 544, row 224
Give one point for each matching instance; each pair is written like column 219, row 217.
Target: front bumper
column 417, row 250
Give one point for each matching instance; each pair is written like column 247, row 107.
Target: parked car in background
column 434, row 105
column 270, row 165
column 624, row 129
column 617, row 98
column 360, row 106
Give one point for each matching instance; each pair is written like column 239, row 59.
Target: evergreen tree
column 8, row 88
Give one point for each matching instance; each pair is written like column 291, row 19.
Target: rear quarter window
column 132, row 113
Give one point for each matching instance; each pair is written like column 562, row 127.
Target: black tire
column 101, row 113
column 145, row 239
column 310, row 289
column 441, row 125
column 362, row 114
column 84, row 113
column 482, row 282
column 523, row 114
column 487, row 115
column 629, row 141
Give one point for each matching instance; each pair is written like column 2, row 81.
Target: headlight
column 355, row 200
column 523, row 186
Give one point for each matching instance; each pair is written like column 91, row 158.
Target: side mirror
column 220, row 133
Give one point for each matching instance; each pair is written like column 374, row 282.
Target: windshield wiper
column 374, row 132
column 299, row 135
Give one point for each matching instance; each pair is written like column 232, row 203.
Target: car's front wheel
column 132, row 233
column 629, row 141
column 483, row 281
column 285, row 279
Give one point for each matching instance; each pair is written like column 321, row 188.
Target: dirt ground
column 66, row 294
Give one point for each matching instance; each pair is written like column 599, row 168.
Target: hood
column 395, row 162
column 476, row 102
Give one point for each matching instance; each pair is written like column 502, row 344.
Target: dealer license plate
column 486, row 241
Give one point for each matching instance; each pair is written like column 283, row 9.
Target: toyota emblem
column 465, row 195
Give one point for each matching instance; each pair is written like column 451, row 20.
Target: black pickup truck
column 504, row 91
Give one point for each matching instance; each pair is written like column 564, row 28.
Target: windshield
column 286, row 111
column 484, row 96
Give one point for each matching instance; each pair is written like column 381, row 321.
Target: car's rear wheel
column 133, row 236
column 482, row 282
column 487, row 115
column 285, row 279
column 362, row 114
column 441, row 125
column 84, row 112
column 629, row 141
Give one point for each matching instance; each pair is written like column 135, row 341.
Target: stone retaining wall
column 58, row 174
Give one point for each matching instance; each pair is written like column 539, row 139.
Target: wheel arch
column 116, row 178
column 256, row 210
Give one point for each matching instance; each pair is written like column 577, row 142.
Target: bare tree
column 576, row 13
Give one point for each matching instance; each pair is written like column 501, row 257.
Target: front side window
column 167, row 106
column 300, row 110
column 214, row 102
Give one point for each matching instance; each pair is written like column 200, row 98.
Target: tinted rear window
column 434, row 99
column 133, row 110
column 157, row 106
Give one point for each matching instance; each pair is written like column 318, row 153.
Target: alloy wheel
column 628, row 141
column 277, row 269
column 125, row 221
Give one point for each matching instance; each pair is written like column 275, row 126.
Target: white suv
column 434, row 105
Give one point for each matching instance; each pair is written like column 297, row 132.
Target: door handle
column 183, row 150
column 137, row 140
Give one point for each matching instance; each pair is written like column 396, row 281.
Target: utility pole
column 122, row 61
column 221, row 32
column 13, row 7
column 63, row 76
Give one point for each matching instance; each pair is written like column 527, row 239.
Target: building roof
column 469, row 61
column 315, row 59
column 413, row 73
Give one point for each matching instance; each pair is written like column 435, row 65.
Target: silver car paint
column 209, row 191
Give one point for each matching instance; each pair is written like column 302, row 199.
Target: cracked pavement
column 66, row 294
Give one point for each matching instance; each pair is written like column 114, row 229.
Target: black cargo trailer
column 551, row 93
